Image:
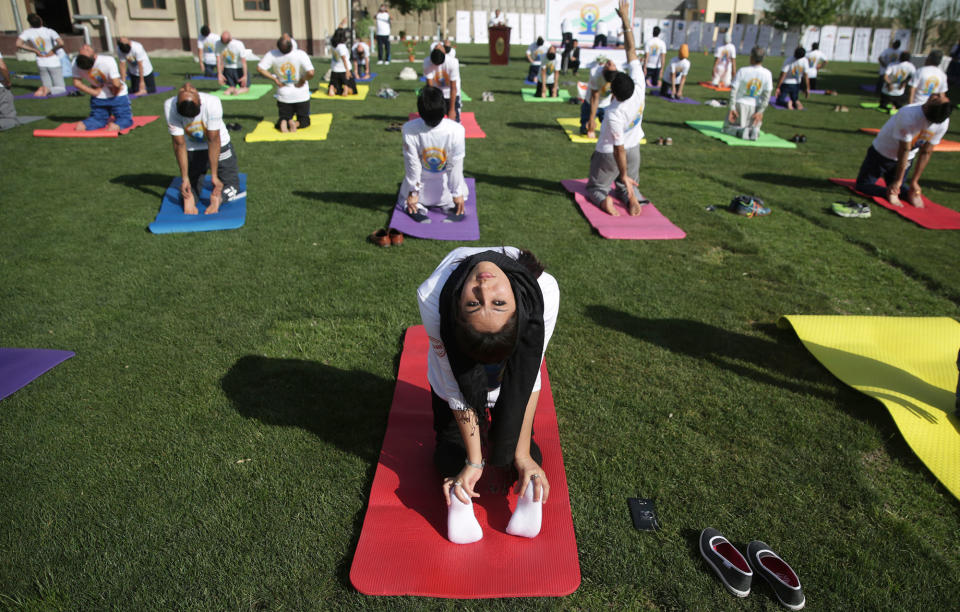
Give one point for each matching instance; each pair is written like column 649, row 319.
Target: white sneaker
column 387, row 62
column 380, row 61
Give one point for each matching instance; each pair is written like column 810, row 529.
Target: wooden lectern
column 499, row 36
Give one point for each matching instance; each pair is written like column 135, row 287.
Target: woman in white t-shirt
column 342, row 82
column 489, row 313
column 44, row 43
column 382, row 19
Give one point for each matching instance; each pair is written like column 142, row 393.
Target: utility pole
column 918, row 40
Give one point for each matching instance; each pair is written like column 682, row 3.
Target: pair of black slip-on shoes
column 736, row 572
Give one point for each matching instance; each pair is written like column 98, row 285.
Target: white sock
column 462, row 525
column 528, row 516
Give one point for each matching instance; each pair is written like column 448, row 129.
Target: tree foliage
column 413, row 6
column 793, row 14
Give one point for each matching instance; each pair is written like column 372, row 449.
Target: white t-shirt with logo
column 794, row 70
column 536, row 52
column 43, row 40
column 433, row 160
column 598, row 83
column 101, row 75
column 194, row 129
column 208, row 47
column 900, row 75
column 908, row 125
column 621, row 121
column 289, row 68
column 439, row 373
column 233, row 53
column 676, row 70
column 727, row 53
column 383, row 23
column 927, row 81
column 752, row 84
column 443, row 75
column 137, row 55
column 815, row 59
column 356, row 48
column 550, row 68
column 339, row 58
column 656, row 50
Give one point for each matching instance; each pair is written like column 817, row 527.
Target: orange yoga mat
column 67, row 130
column 945, row 146
column 403, row 548
column 710, row 85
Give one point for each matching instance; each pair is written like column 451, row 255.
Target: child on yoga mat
column 489, row 313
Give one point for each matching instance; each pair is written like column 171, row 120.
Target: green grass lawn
column 213, row 443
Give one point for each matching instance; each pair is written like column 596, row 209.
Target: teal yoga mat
column 713, row 129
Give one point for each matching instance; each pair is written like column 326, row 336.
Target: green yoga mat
column 463, row 96
column 876, row 106
column 256, row 92
column 529, row 95
column 714, row 130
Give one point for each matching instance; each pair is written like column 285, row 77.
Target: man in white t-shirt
column 793, row 74
column 498, row 19
column 201, row 142
column 617, row 155
column 207, row 51
column 547, row 81
column 656, row 51
column 535, row 55
column 598, row 97
column 290, row 70
column 433, row 152
column 442, row 71
column 44, row 43
column 915, row 128
column 816, row 61
column 360, row 52
column 749, row 96
column 382, row 19
column 135, row 62
column 890, row 55
column 676, row 75
column 342, row 81
column 929, row 79
column 109, row 103
column 725, row 62
column 897, row 78
column 232, row 65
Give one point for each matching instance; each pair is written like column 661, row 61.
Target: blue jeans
column 585, row 114
column 102, row 109
column 383, row 47
column 875, row 167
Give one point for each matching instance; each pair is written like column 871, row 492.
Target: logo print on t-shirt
column 434, row 159
column 797, row 70
column 753, row 87
column 636, row 120
column 195, row 130
column 442, row 78
column 229, row 57
column 929, row 85
column 921, row 139
column 97, row 77
column 40, row 44
column 287, row 72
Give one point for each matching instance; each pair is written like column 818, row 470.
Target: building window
column 254, row 5
column 154, row 4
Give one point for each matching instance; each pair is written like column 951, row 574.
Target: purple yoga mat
column 437, row 229
column 872, row 88
column 683, row 100
column 71, row 88
column 19, row 366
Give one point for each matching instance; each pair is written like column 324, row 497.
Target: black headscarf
column 523, row 365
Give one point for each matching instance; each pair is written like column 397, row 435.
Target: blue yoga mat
column 171, row 220
column 19, row 366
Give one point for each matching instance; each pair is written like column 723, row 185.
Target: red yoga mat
column 945, row 146
column 66, row 130
column 469, row 123
column 403, row 549
column 710, row 85
column 931, row 216
column 650, row 225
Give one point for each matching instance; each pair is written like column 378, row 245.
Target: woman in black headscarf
column 489, row 313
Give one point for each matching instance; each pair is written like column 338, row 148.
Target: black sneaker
column 781, row 577
column 726, row 561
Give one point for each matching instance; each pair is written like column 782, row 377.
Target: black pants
column 149, row 82
column 383, row 47
column 600, row 40
column 450, row 452
column 549, row 87
column 533, row 72
column 339, row 79
column 198, row 162
column 286, row 111
column 886, row 100
column 665, row 88
column 875, row 167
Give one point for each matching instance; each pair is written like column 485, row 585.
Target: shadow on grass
column 518, row 182
column 149, row 183
column 397, row 117
column 373, row 200
column 786, row 180
column 528, row 125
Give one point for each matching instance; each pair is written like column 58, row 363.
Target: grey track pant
column 52, row 79
column 603, row 172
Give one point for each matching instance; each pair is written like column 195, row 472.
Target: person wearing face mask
column 490, row 314
column 109, row 102
column 290, row 69
column 548, row 74
column 201, row 142
column 433, row 153
column 597, row 99
column 442, row 70
column 135, row 62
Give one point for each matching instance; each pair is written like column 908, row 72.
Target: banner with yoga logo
column 587, row 19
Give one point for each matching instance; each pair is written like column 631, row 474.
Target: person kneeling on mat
column 135, row 62
column 749, row 96
column 617, row 155
column 489, row 314
column 290, row 69
column 109, row 103
column 201, row 142
column 342, row 81
column 914, row 128
column 433, row 151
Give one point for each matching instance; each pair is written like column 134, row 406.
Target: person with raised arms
column 342, row 81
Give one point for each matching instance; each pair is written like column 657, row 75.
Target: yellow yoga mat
column 571, row 127
column 909, row 364
column 321, row 93
column 318, row 130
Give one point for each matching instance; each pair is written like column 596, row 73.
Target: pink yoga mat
column 932, row 216
column 403, row 549
column 469, row 123
column 650, row 225
column 438, row 229
column 66, row 130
